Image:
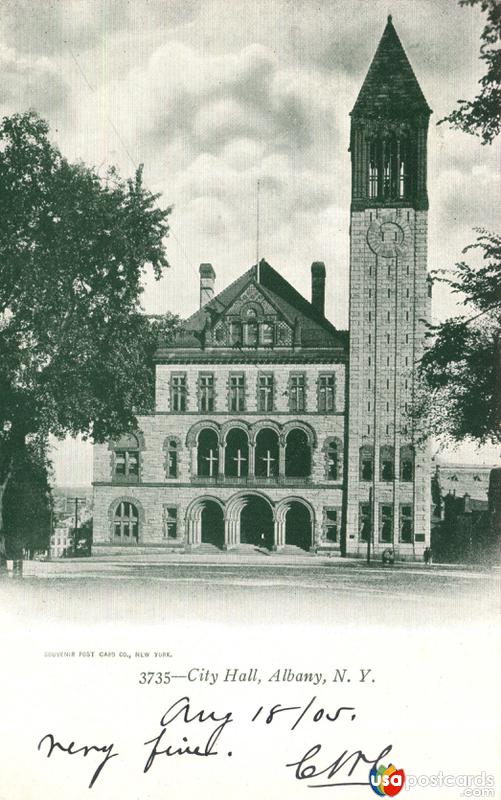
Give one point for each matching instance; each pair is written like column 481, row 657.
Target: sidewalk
column 255, row 558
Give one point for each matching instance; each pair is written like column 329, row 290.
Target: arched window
column 126, row 461
column 387, row 463
column 366, row 463
column 297, row 454
column 172, row 458
column 208, row 453
column 267, row 454
column 407, row 463
column 236, row 454
column 126, row 523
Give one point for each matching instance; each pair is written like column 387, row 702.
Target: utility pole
column 76, row 500
column 369, row 532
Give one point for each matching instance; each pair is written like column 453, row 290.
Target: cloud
column 30, row 83
column 213, row 96
column 53, row 26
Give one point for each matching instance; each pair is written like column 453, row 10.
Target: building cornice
column 316, row 356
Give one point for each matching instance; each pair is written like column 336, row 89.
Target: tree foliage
column 28, row 501
column 76, row 348
column 482, row 115
column 461, row 368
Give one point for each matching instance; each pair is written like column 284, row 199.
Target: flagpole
column 257, row 234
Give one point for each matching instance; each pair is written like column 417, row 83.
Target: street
column 251, row 589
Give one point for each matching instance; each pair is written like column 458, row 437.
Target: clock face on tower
column 388, row 239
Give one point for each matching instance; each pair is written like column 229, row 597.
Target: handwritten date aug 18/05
column 208, row 735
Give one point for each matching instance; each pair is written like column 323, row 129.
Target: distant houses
column 466, row 513
column 71, row 504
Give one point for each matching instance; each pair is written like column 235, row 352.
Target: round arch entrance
column 205, row 522
column 256, row 522
column 298, row 526
column 212, row 524
column 251, row 520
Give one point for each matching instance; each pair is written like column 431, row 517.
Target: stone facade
column 389, row 306
column 153, row 492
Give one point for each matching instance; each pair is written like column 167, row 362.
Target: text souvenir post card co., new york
column 239, row 337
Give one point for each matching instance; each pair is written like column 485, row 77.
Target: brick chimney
column 318, row 287
column 207, row 280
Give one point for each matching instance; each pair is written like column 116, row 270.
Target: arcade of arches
column 250, row 518
column 262, row 452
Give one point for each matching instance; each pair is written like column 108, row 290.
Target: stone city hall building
column 271, row 427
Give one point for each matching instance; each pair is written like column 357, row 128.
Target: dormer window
column 267, row 334
column 235, row 333
column 251, row 334
column 251, row 328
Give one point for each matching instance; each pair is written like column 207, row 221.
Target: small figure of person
column 428, row 556
column 388, row 557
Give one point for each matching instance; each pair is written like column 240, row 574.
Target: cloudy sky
column 212, row 95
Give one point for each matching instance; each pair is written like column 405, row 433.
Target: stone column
column 231, row 538
column 194, row 461
column 227, row 533
column 252, row 459
column 221, row 460
column 281, row 459
column 279, row 532
column 193, row 530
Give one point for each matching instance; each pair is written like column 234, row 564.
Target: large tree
column 461, row 369
column 28, row 501
column 482, row 115
column 75, row 346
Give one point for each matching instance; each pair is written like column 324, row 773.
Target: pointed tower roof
column 390, row 89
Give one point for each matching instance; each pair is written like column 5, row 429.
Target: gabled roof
column 316, row 331
column 390, row 89
column 462, row 479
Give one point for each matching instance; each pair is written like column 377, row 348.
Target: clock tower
column 388, row 477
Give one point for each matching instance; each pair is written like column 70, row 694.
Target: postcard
column 249, row 263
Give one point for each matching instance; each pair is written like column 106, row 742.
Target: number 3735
column 154, row 677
